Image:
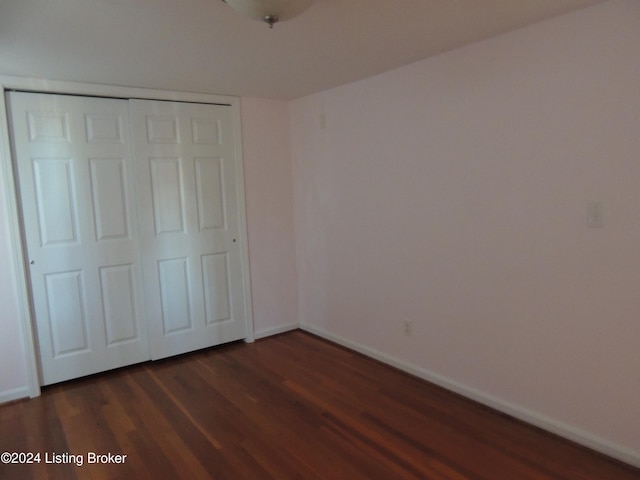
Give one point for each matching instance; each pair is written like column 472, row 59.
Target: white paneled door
column 190, row 232
column 76, row 180
column 131, row 225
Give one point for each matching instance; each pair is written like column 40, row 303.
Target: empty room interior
column 320, row 239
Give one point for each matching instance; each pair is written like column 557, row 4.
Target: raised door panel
column 47, row 126
column 104, row 128
column 110, row 203
column 210, row 196
column 162, row 129
column 175, row 293
column 67, row 313
column 56, row 205
column 215, row 270
column 119, row 303
column 166, row 190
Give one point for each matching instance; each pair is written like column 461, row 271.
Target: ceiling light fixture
column 269, row 11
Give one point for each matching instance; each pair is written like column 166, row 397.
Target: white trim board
column 32, row 389
column 533, row 418
column 268, row 332
column 8, row 83
column 14, row 394
column 98, row 90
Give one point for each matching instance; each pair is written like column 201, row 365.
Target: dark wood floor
column 287, row 407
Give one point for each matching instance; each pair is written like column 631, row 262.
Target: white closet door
column 189, row 225
column 78, row 203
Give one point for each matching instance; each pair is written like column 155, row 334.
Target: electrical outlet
column 407, row 326
column 322, row 121
column 595, row 215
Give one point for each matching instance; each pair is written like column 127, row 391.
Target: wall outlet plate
column 407, row 326
column 595, row 214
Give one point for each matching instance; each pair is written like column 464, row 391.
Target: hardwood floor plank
column 287, row 407
column 43, row 418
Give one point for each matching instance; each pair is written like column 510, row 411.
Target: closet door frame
column 7, row 185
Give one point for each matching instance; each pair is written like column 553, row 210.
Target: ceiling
column 205, row 46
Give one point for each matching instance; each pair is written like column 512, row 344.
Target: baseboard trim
column 14, row 394
column 561, row 429
column 267, row 332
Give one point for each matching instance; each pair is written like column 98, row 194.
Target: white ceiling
column 205, row 46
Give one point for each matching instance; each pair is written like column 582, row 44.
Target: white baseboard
column 275, row 330
column 569, row 432
column 14, row 394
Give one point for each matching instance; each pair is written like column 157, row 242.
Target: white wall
column 269, row 199
column 453, row 193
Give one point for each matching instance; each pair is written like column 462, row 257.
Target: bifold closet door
column 189, row 225
column 77, row 191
